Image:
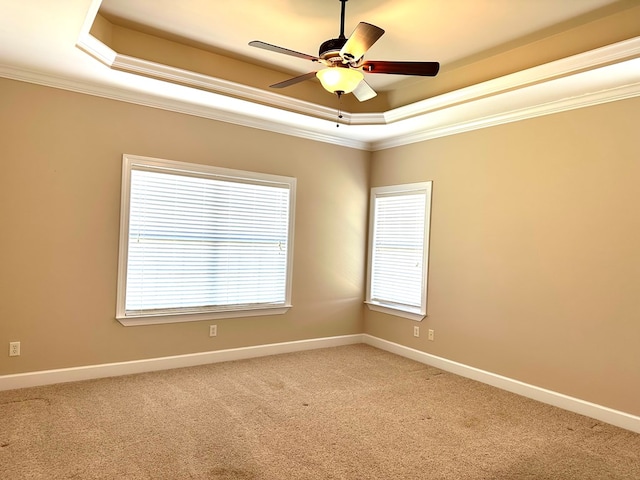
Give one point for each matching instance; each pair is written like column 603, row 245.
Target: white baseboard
column 48, row 377
column 598, row 412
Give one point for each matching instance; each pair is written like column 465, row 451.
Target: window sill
column 398, row 312
column 135, row 320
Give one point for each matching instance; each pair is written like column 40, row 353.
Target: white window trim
column 135, row 161
column 399, row 310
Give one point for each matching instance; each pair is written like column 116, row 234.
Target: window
column 399, row 249
column 199, row 242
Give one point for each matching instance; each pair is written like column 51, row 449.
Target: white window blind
column 398, row 247
column 204, row 240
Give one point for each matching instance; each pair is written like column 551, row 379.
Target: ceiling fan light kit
column 344, row 63
column 339, row 79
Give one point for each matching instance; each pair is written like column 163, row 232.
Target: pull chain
column 339, row 93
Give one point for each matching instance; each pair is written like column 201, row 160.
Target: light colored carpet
column 350, row 412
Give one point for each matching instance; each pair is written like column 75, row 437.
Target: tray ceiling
column 498, row 57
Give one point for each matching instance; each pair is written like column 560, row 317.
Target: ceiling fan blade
column 424, row 69
column 360, row 41
column 294, row 80
column 286, row 51
column 364, row 92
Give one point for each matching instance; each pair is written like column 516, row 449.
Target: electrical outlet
column 213, row 330
column 14, row 349
column 416, row 331
column 431, row 334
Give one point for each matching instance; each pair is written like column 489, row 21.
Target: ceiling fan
column 344, row 62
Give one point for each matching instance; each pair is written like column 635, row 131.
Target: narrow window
column 398, row 249
column 199, row 242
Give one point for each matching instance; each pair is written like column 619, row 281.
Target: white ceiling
column 39, row 43
column 415, row 30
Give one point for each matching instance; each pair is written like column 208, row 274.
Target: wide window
column 399, row 249
column 199, row 242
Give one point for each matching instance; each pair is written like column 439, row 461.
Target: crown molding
column 138, row 66
column 605, row 74
column 582, row 62
column 473, row 121
column 438, row 122
column 317, row 132
column 575, row 64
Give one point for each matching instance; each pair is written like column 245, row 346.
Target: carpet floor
column 351, row 412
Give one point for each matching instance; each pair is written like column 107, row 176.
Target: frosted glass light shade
column 339, row 79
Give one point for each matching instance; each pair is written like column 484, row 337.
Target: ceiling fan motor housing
column 331, row 48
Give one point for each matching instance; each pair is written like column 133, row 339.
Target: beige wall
column 61, row 157
column 534, row 261
column 535, row 257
